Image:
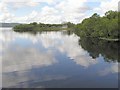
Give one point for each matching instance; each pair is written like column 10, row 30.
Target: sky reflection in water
column 52, row 59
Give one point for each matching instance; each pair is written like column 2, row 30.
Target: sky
column 53, row 11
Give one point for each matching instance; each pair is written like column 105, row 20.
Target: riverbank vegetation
column 43, row 27
column 105, row 27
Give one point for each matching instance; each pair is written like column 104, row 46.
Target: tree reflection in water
column 95, row 47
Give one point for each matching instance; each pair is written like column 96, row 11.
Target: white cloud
column 112, row 69
column 48, row 11
column 28, row 58
column 85, row 61
column 55, row 11
column 68, row 45
column 59, row 12
column 5, row 15
column 3, row 8
column 33, row 56
column 106, row 6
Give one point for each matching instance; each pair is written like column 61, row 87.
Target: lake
column 57, row 60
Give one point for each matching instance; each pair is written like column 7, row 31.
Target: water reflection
column 26, row 58
column 108, row 70
column 55, row 59
column 95, row 47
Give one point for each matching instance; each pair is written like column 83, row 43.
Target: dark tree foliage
column 100, row 27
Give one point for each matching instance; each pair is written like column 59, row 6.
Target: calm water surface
column 57, row 59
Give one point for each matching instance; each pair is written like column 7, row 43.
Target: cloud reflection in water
column 22, row 65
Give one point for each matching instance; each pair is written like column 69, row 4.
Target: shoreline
column 116, row 39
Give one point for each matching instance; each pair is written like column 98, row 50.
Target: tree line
column 105, row 27
column 100, row 27
column 42, row 27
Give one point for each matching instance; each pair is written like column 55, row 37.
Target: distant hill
column 8, row 24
